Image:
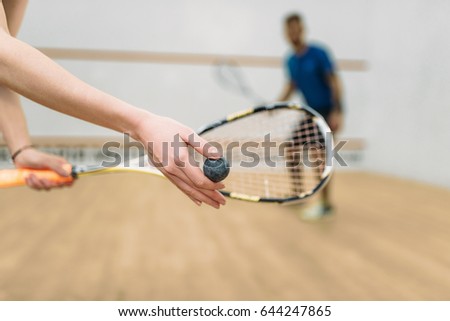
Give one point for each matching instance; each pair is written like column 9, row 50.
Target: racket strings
column 308, row 156
column 275, row 154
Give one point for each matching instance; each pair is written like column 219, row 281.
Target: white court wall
column 409, row 90
column 400, row 106
column 188, row 93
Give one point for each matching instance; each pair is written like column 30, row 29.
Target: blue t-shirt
column 309, row 71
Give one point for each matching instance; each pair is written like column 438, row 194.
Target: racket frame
column 318, row 119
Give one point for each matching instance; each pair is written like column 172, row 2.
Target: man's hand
column 335, row 120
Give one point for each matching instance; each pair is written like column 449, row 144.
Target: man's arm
column 287, row 92
column 336, row 91
column 335, row 117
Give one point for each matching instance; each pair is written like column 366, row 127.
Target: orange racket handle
column 16, row 177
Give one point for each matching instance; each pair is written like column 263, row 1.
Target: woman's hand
column 32, row 158
column 167, row 143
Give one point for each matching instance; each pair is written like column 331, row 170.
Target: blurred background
column 129, row 237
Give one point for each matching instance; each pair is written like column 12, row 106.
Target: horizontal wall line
column 352, row 143
column 184, row 58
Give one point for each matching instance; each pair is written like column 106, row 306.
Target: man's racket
column 277, row 153
column 230, row 76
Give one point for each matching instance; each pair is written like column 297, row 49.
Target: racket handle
column 16, row 177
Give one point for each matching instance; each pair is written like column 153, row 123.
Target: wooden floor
column 135, row 237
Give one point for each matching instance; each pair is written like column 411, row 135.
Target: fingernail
column 213, row 152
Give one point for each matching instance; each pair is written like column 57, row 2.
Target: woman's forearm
column 12, row 121
column 28, row 72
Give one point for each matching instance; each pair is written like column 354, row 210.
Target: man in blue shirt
column 311, row 72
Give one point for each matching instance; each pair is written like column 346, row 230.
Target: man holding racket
column 26, row 71
column 312, row 73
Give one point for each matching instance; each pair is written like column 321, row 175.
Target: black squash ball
column 216, row 169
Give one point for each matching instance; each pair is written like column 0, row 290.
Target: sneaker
column 316, row 211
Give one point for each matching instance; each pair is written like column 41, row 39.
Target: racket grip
column 16, row 177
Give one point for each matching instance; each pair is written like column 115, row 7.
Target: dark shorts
column 324, row 112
